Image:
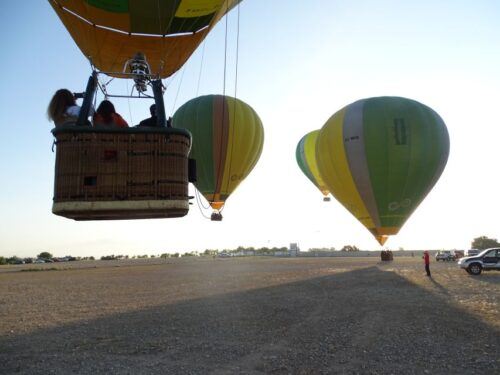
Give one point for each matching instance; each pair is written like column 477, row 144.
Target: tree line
column 480, row 243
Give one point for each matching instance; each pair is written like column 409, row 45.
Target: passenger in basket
column 106, row 116
column 63, row 109
column 150, row 121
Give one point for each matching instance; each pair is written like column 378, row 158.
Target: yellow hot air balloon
column 227, row 142
column 305, row 154
column 380, row 157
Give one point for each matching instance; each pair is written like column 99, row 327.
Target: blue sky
column 299, row 62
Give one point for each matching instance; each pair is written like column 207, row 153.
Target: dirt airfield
column 253, row 315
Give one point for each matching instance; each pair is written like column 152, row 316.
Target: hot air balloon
column 305, row 154
column 227, row 142
column 112, row 32
column 380, row 157
column 129, row 173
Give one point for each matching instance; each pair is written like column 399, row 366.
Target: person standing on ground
column 427, row 262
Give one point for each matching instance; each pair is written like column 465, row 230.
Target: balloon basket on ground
column 386, row 256
column 110, row 174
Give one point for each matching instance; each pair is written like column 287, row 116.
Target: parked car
column 487, row 260
column 38, row 261
column 444, row 255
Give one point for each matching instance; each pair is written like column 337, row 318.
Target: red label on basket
column 110, row 155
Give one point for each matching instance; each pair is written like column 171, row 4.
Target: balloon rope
column 179, row 88
column 237, row 51
column 201, row 67
column 129, row 109
column 199, row 202
column 235, row 109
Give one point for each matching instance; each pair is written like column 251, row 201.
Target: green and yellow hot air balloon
column 227, row 142
column 380, row 157
column 305, row 154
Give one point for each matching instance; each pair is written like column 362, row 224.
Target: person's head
column 59, row 103
column 106, row 110
column 152, row 110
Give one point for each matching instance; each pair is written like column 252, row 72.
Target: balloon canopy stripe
column 220, row 142
column 333, row 165
column 353, row 134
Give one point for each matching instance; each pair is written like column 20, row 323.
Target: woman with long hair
column 62, row 108
column 107, row 116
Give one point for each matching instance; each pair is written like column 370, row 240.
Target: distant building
column 294, row 250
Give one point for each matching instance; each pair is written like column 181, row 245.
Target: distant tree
column 3, row 260
column 91, row 258
column 349, row 248
column 190, row 254
column 152, row 256
column 45, row 255
column 165, row 255
column 325, row 249
column 484, row 242
column 210, row 252
column 175, row 255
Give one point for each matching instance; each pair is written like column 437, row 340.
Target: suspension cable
column 129, row 109
column 201, row 68
column 178, row 88
column 235, row 109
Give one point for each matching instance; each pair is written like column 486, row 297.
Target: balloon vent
column 326, row 199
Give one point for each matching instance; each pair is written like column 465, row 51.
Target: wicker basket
column 110, row 174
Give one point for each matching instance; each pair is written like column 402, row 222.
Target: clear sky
column 299, row 62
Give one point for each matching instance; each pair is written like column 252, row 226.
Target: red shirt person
column 427, row 262
column 106, row 116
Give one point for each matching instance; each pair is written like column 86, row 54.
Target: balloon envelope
column 227, row 142
column 305, row 155
column 110, row 32
column 380, row 157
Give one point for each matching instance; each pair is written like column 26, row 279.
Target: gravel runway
column 253, row 315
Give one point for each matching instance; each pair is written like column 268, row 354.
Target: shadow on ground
column 364, row 321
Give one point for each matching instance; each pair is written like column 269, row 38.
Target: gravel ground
column 249, row 316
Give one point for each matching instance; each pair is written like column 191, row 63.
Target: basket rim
column 73, row 129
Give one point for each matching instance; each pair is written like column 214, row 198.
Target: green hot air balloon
column 227, row 142
column 380, row 157
column 305, row 154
